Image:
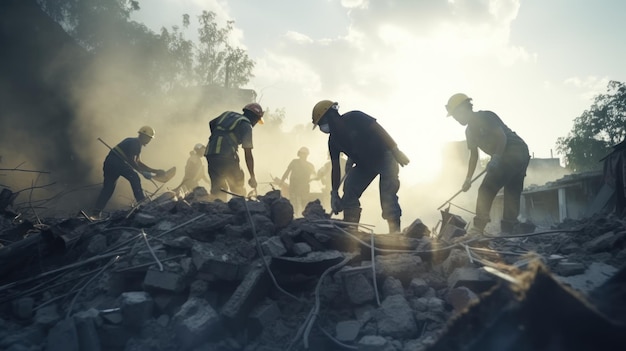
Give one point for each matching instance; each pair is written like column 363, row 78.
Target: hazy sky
column 535, row 63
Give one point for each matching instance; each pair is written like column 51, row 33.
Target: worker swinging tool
column 124, row 160
column 506, row 168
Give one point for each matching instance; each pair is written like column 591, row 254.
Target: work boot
column 352, row 215
column 394, row 225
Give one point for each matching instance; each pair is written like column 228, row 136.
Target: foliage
column 596, row 130
column 159, row 62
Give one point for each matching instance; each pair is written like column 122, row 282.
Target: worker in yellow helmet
column 228, row 131
column 371, row 152
column 124, row 160
column 506, row 168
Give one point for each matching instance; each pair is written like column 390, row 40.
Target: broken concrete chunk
column 136, row 308
column 301, row 249
column 418, row 287
column 417, row 230
column 274, row 247
column 402, row 266
column 374, row 343
column 172, row 278
column 460, row 298
column 566, row 268
column 196, row 322
column 86, row 322
column 473, row 278
column 250, row 291
column 450, row 231
column 221, row 260
column 392, row 286
column 97, row 245
column 347, row 331
column 456, row 259
column 358, row 288
column 604, row 242
column 395, row 318
column 142, row 219
column 47, row 316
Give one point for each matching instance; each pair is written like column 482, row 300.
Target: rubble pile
column 192, row 274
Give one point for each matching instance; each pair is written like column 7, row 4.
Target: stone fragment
column 402, row 266
column 136, row 307
column 145, row 220
column 374, row 343
column 450, row 231
column 86, row 322
column 418, row 287
column 456, row 259
column 250, row 292
column 417, row 230
column 566, row 268
column 473, row 278
column 604, row 242
column 171, row 279
column 358, row 288
column 460, row 298
column 392, row 286
column 273, row 247
column 222, row 261
column 301, row 249
column 395, row 318
column 97, row 245
column 347, row 331
column 195, row 323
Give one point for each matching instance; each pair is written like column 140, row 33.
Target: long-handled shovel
column 460, row 191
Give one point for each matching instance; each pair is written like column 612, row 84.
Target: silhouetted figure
column 300, row 172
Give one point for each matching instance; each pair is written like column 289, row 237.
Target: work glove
column 467, row 184
column 146, row 175
column 160, row 173
column 400, row 156
column 252, row 183
column 493, row 164
column 335, row 202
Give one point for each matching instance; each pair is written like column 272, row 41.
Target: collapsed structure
column 192, row 274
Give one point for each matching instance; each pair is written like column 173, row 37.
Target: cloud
column 589, row 87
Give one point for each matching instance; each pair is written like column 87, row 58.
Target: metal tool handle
column 460, row 191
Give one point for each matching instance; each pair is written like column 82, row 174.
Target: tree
column 596, row 130
column 218, row 63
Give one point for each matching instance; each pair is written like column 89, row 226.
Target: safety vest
column 223, row 139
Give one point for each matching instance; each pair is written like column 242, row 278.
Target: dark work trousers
column 113, row 168
column 510, row 176
column 226, row 174
column 359, row 178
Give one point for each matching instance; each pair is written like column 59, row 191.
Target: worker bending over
column 372, row 152
column 228, row 131
column 506, row 169
column 194, row 170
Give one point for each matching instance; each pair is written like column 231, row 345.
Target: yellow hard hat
column 147, row 131
column 320, row 110
column 455, row 101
